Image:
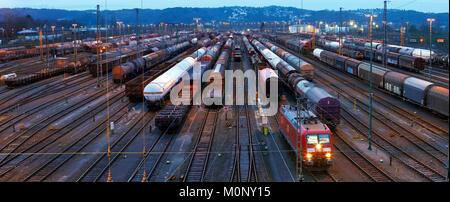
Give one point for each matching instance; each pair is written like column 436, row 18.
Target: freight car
column 315, row 137
column 218, row 72
column 249, row 47
column 414, row 90
column 267, row 78
column 237, row 56
column 171, row 117
column 306, row 69
column 402, row 59
column 112, row 59
column 156, row 91
column 228, row 44
column 129, row 70
column 7, row 76
column 34, row 77
column 326, row 107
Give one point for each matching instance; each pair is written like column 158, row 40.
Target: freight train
column 267, row 77
column 306, row 69
column 172, row 115
column 129, row 70
column 326, row 107
column 169, row 118
column 58, row 49
column 397, row 59
column 156, row 91
column 250, row 49
column 218, row 72
column 414, row 90
column 112, row 59
column 316, row 138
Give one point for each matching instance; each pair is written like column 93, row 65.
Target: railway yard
column 103, row 113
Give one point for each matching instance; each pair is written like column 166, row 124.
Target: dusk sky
column 420, row 5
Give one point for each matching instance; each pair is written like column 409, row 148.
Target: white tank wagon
column 306, row 69
column 275, row 62
column 158, row 89
column 267, row 77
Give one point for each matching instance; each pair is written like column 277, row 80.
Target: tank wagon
column 249, row 47
column 267, row 77
column 306, row 69
column 158, row 89
column 129, row 70
column 326, row 107
column 218, row 72
column 228, row 44
column 316, row 138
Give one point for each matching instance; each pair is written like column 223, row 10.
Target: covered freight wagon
column 437, row 100
column 326, row 106
column 351, row 66
column 393, row 82
column 415, row 89
column 411, row 63
column 377, row 74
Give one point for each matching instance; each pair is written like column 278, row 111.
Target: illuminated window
column 324, row 138
column 311, row 139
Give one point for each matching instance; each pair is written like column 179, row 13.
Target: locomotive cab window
column 324, row 138
column 311, row 139
column 318, row 139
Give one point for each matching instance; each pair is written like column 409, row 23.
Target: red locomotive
column 316, row 137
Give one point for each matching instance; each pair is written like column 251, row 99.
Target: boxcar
column 340, row 62
column 326, row 106
column 437, row 100
column 377, row 74
column 392, row 58
column 328, row 57
column 415, row 89
column 351, row 66
column 411, row 63
column 393, row 82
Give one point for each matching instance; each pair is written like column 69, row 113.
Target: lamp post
column 75, row 41
column 370, row 83
column 121, row 39
column 431, row 20
column 53, row 41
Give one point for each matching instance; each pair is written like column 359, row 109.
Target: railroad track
column 45, row 89
column 430, row 149
column 23, row 136
column 151, row 160
column 396, row 152
column 37, row 143
column 407, row 114
column 407, row 133
column 98, row 168
column 244, row 167
column 439, row 80
column 196, row 168
column 78, row 87
column 322, row 176
column 55, row 162
column 41, row 84
column 375, row 173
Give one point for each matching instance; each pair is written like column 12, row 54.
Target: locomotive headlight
column 328, row 155
column 318, row 146
column 308, row 156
